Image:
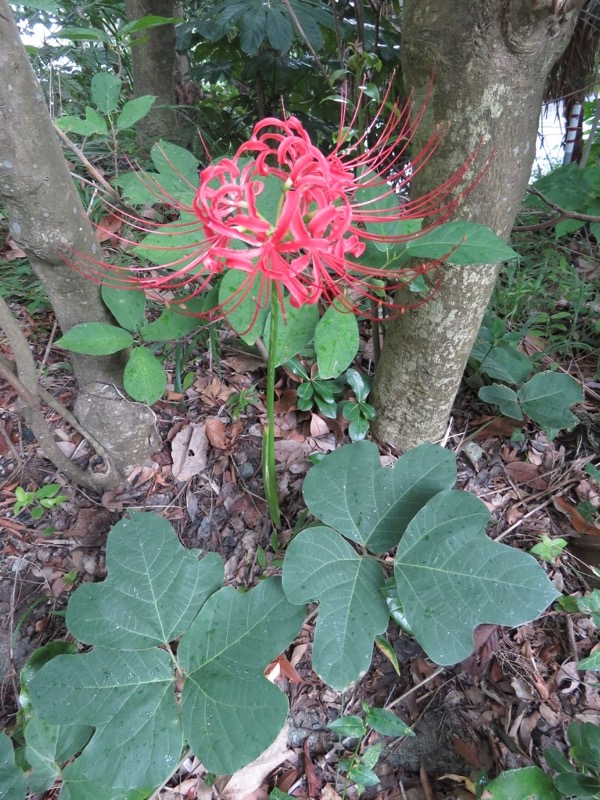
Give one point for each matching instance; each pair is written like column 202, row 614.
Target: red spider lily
column 311, row 241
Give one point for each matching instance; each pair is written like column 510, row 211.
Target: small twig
column 522, row 520
column 433, row 675
column 48, row 348
column 571, row 636
column 86, row 163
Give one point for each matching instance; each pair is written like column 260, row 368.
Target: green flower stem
column 269, row 477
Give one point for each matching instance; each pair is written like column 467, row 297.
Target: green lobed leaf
column 279, row 29
column 144, row 376
column 134, row 110
column 128, row 697
column 153, row 591
column 336, row 340
column 106, row 89
column 529, row 783
column 320, row 565
column 48, row 747
column 246, row 307
column 95, row 339
column 546, row 399
column 296, row 327
column 502, row 396
column 476, row 244
column 231, row 712
column 12, row 780
column 451, row 577
column 350, row 491
column 126, row 305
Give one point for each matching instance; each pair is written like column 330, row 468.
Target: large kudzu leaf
column 12, row 780
column 48, row 747
column 128, row 697
column 370, row 504
column 320, row 565
column 154, row 589
column 546, row 399
column 503, row 362
column 451, row 577
column 230, row 711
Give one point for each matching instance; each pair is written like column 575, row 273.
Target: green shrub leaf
column 95, row 339
column 230, row 711
column 502, row 396
column 370, row 504
column 134, row 110
column 144, row 377
column 336, row 340
column 451, row 577
column 320, row 565
column 246, row 308
column 126, row 305
column 546, row 399
column 294, row 332
column 503, row 362
column 476, row 244
column 106, row 89
column 173, row 324
column 387, row 723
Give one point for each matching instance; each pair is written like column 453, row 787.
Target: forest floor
column 495, row 711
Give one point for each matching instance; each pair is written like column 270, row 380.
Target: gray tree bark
column 154, row 65
column 46, row 219
column 490, row 60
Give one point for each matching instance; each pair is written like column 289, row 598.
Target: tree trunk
column 46, row 219
column 154, row 63
column 489, row 59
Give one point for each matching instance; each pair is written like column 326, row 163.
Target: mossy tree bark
column 490, row 60
column 46, row 219
column 154, row 65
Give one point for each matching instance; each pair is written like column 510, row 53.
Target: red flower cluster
column 298, row 220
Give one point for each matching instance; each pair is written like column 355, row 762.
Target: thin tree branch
column 26, row 386
column 307, row 42
column 563, row 211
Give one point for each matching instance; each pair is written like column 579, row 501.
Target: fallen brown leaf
column 189, row 452
column 524, row 472
column 578, row 523
column 215, row 433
